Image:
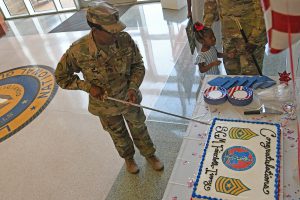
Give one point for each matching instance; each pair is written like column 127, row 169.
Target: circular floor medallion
column 24, row 94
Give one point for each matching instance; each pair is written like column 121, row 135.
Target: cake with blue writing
column 241, row 161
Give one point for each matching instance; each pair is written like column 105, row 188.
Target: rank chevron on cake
column 230, row 186
column 241, row 133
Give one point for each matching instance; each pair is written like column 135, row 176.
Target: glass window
column 42, row 5
column 67, row 4
column 16, row 7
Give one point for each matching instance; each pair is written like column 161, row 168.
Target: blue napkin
column 219, row 81
column 263, row 82
column 232, row 82
column 251, row 81
column 242, row 81
column 267, row 84
column 247, row 81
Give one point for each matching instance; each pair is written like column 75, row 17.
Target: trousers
column 116, row 127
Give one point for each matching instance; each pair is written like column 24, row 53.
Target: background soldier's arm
column 211, row 12
column 66, row 77
column 258, row 35
column 137, row 71
column 189, row 8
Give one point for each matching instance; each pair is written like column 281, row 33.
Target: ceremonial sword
column 167, row 113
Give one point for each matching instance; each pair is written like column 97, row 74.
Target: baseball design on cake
column 241, row 160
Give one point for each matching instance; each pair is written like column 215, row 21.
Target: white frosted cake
column 241, row 161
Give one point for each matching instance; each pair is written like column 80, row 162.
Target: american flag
column 282, row 18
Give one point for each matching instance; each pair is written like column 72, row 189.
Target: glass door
column 21, row 8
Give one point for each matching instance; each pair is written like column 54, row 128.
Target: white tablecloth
column 185, row 170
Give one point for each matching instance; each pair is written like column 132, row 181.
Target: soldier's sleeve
column 137, row 71
column 258, row 33
column 65, row 74
column 210, row 12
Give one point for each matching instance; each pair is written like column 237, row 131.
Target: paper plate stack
column 215, row 95
column 240, row 96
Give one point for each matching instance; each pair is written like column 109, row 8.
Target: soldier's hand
column 189, row 15
column 216, row 63
column 250, row 47
column 131, row 95
column 98, row 92
column 230, row 55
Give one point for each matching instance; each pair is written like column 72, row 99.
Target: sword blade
column 160, row 111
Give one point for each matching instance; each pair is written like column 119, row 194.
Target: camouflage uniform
column 116, row 68
column 210, row 12
column 250, row 15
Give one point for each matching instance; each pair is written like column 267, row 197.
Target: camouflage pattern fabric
column 105, row 15
column 250, row 15
column 135, row 119
column 116, row 69
column 210, row 12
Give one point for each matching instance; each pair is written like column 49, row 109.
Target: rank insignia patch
column 24, row 94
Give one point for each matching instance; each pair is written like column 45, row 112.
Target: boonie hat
column 105, row 15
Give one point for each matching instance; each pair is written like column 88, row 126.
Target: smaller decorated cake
column 241, row 161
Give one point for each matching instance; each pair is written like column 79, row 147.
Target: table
column 185, row 170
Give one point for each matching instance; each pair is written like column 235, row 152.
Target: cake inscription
column 207, row 184
column 219, row 138
column 268, row 174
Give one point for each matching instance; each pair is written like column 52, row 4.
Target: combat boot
column 155, row 163
column 131, row 166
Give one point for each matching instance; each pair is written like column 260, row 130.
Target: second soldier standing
column 250, row 15
column 111, row 65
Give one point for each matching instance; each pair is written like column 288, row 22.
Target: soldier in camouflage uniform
column 111, row 65
column 250, row 15
column 210, row 10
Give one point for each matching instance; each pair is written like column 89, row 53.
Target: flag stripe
column 280, row 22
column 282, row 18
